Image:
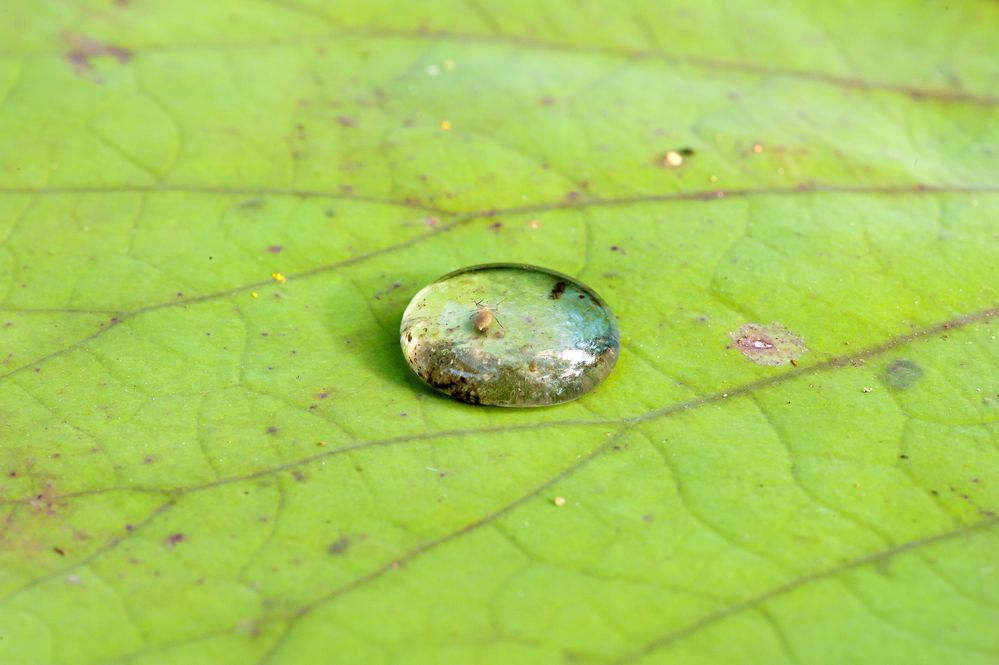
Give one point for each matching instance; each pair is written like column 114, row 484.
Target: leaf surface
column 206, row 463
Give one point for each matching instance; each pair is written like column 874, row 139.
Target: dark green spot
column 901, row 374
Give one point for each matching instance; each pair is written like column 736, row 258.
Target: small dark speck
column 275, row 249
column 686, row 152
column 496, row 226
column 903, row 456
column 322, row 395
column 60, row 551
column 339, row 546
column 180, row 294
column 557, row 290
column 12, row 474
column 272, row 430
column 647, row 518
column 174, row 539
column 298, row 475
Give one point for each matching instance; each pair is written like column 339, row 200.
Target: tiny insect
column 485, row 315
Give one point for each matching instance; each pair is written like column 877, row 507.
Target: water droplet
column 509, row 335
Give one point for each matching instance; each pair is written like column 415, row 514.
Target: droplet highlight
column 510, row 335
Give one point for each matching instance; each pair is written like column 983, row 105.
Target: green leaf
column 202, row 463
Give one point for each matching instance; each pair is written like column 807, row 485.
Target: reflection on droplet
column 509, row 335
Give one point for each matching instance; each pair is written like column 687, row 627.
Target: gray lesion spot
column 901, row 374
column 768, row 344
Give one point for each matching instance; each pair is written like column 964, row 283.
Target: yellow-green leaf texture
column 202, row 463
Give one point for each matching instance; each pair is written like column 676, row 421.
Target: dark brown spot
column 275, row 249
column 272, row 430
column 557, row 290
column 60, row 551
column 173, row 540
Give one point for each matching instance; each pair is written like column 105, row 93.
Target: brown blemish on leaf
column 339, row 546
column 771, row 345
column 173, row 540
column 557, row 290
column 275, row 249
column 83, row 49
